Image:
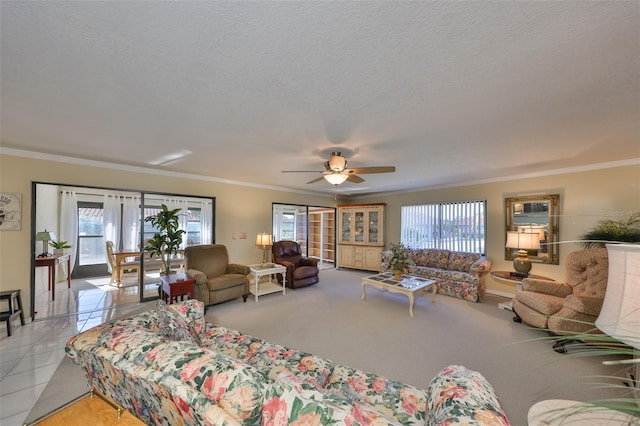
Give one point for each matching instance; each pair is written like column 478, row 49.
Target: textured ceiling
column 449, row 92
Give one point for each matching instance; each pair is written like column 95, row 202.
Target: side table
column 505, row 276
column 175, row 285
column 50, row 262
column 269, row 269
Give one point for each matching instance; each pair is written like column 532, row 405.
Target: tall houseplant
column 166, row 242
column 607, row 231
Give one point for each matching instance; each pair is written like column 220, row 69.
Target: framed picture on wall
column 10, row 211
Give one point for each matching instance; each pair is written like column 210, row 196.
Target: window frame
column 441, row 218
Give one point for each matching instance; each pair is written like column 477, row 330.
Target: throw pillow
column 174, row 326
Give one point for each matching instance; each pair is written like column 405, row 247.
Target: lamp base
column 522, row 263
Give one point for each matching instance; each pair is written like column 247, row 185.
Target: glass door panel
column 373, row 227
column 358, row 232
column 345, row 236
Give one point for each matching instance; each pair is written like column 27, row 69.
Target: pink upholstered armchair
column 570, row 307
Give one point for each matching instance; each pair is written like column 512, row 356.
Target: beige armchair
column 217, row 280
column 570, row 307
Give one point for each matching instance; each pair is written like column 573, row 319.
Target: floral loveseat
column 167, row 366
column 457, row 274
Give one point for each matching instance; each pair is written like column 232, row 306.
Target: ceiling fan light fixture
column 337, row 162
column 335, row 178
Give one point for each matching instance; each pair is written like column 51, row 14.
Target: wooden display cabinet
column 360, row 236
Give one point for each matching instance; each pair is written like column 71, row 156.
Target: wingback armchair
column 217, row 280
column 570, row 307
column 301, row 271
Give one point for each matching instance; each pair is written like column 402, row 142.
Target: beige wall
column 586, row 198
column 238, row 208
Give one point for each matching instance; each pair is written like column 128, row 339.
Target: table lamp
column 620, row 313
column 45, row 236
column 264, row 241
column 523, row 241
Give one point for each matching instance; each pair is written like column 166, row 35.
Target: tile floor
column 31, row 355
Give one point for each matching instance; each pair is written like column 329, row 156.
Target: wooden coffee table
column 408, row 285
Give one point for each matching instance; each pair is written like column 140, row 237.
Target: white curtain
column 69, row 223
column 131, row 224
column 183, row 217
column 111, row 222
column 206, row 222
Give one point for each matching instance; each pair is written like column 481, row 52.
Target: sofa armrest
column 199, row 276
column 236, row 268
column 481, row 266
column 463, row 396
column 552, row 288
column 309, row 261
column 584, row 304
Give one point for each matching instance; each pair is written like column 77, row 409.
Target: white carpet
column 377, row 334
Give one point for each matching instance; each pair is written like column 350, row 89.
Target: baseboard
column 500, row 293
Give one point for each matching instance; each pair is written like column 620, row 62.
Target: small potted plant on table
column 59, row 246
column 400, row 260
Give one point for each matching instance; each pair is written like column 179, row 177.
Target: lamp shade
column 335, row 178
column 263, row 239
column 620, row 313
column 45, row 236
column 523, row 240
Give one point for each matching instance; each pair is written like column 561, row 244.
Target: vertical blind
column 457, row 226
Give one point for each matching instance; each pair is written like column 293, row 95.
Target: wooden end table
column 407, row 285
column 175, row 285
column 50, row 262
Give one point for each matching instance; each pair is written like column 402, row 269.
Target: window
column 90, row 233
column 457, row 226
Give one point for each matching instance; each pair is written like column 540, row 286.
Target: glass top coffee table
column 408, row 285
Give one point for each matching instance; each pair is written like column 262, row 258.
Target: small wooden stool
column 15, row 308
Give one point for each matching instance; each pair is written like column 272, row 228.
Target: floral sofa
column 168, row 366
column 457, row 274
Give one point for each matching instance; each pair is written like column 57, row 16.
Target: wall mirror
column 537, row 213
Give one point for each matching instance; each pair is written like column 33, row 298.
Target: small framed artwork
column 10, row 211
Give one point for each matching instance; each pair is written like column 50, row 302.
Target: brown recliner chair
column 567, row 308
column 301, row 271
column 217, row 280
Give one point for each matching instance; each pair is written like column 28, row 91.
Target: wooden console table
column 51, row 262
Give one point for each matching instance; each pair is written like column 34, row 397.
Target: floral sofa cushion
column 430, row 258
column 270, row 359
column 458, row 395
column 290, row 400
column 461, row 261
column 402, row 403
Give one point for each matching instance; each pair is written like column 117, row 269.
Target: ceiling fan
column 337, row 172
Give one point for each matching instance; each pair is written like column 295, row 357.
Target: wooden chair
column 119, row 264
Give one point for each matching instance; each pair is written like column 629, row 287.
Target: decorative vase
column 397, row 274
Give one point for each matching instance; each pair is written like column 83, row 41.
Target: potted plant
column 59, row 246
column 166, row 242
column 400, row 259
column 607, row 231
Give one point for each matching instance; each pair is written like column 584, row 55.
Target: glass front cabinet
column 361, row 236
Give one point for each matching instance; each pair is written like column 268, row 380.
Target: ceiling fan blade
column 316, row 179
column 369, row 170
column 301, row 171
column 355, row 179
